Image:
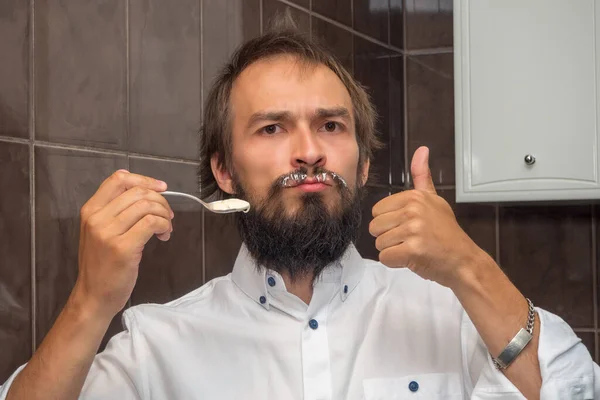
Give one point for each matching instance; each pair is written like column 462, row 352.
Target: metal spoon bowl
column 219, row 207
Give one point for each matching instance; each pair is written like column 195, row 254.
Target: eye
column 270, row 129
column 331, row 126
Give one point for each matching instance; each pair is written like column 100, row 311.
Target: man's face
column 295, row 159
column 288, row 116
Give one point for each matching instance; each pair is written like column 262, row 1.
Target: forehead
column 286, row 83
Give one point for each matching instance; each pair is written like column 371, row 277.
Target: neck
column 301, row 287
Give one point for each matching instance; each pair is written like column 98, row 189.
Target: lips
column 313, row 181
column 312, row 187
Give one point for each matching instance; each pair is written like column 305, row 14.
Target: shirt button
column 313, row 324
column 345, row 288
column 413, row 386
column 263, row 299
column 271, row 281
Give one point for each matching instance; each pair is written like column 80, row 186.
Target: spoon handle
column 189, row 196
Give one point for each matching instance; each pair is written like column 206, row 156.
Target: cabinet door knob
column 529, row 159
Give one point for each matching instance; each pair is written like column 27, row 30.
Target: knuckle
column 417, row 195
column 118, row 177
column 415, row 247
column 413, row 211
column 144, row 204
column 372, row 226
column 383, row 257
column 84, row 212
column 415, row 226
column 92, row 222
column 141, row 191
column 117, row 248
column 150, row 221
column 379, row 244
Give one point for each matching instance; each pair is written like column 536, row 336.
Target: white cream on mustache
column 298, row 178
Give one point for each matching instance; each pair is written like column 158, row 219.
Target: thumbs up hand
column 417, row 229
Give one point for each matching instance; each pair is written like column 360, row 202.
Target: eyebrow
column 276, row 116
column 335, row 112
column 269, row 116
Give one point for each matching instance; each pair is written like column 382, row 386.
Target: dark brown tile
column 222, row 244
column 430, row 103
column 14, row 68
column 477, row 220
column 397, row 134
column 589, row 340
column 371, row 68
column 242, row 20
column 429, row 24
column 165, row 103
column 338, row 40
column 64, row 182
column 273, row 9
column 371, row 18
column 15, row 253
column 397, row 23
column 80, row 70
column 366, row 243
column 545, row 251
column 171, row 269
column 337, row 10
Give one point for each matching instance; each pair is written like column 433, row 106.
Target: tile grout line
column 165, row 159
column 389, row 22
column 260, row 16
column 8, row 139
column 351, row 12
column 127, row 101
column 595, row 280
column 430, row 51
column 390, row 122
column 88, row 149
column 405, row 173
column 202, row 108
column 310, row 19
column 584, row 330
column 128, row 82
column 31, row 95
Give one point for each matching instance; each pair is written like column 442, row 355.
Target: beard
column 305, row 242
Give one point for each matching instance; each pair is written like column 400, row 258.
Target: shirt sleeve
column 116, row 373
column 567, row 369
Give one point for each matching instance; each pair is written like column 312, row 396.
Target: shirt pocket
column 425, row 386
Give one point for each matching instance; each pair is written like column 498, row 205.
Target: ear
column 221, row 174
column 364, row 175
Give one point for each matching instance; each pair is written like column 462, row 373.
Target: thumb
column 419, row 169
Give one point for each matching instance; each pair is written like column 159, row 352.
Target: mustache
column 301, row 175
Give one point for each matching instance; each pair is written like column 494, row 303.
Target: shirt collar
column 253, row 281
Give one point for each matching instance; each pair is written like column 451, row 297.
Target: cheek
column 256, row 166
column 343, row 159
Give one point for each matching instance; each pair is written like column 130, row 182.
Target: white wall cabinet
column 527, row 76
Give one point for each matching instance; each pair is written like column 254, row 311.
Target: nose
column 307, row 151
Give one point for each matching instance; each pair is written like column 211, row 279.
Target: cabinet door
column 527, row 85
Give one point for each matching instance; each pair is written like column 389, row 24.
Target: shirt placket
column 316, row 365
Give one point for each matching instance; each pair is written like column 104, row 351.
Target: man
column 302, row 315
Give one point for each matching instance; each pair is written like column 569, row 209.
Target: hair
column 283, row 38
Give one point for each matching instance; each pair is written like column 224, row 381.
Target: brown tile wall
column 88, row 88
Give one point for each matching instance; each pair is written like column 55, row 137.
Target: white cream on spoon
column 220, row 207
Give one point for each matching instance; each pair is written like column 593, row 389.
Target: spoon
column 220, row 207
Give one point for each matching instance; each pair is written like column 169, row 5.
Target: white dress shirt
column 369, row 332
